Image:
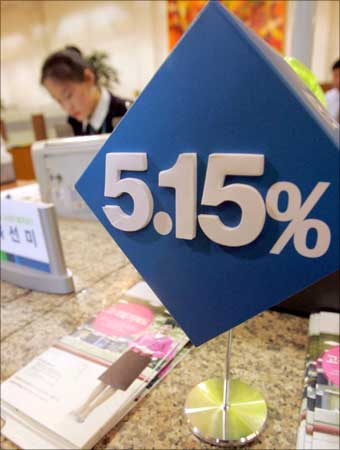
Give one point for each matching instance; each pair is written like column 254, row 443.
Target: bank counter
column 268, row 350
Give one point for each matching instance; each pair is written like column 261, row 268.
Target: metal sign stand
column 59, row 279
column 225, row 412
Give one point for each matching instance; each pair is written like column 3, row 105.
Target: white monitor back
column 58, row 164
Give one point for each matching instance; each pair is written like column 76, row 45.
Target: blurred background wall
column 134, row 34
column 326, row 38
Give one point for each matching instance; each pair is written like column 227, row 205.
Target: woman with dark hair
column 73, row 82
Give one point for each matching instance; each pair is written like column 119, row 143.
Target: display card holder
column 226, row 202
column 31, row 251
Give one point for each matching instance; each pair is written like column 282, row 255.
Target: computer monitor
column 58, row 163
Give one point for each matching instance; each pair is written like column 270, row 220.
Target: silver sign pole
column 224, row 411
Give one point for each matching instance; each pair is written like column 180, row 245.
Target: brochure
column 326, row 427
column 304, row 436
column 76, row 391
column 319, row 427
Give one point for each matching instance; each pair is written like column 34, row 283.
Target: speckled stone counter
column 268, row 351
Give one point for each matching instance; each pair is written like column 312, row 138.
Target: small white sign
column 21, row 231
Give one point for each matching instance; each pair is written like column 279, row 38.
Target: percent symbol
column 296, row 212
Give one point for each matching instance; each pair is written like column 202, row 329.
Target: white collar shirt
column 97, row 118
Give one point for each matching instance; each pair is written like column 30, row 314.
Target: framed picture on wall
column 266, row 18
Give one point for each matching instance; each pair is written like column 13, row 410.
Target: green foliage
column 106, row 74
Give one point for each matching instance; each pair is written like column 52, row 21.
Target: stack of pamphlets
column 320, row 408
column 76, row 391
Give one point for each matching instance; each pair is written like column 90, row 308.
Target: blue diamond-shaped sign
column 224, row 91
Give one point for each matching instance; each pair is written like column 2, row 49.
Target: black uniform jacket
column 116, row 111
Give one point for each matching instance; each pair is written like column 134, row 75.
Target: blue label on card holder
column 221, row 183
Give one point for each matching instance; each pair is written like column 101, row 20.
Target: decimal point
column 162, row 223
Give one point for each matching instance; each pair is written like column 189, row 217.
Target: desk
column 268, row 350
column 15, row 184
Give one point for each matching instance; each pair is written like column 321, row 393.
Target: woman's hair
column 66, row 65
column 336, row 65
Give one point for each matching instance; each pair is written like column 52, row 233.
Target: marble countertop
column 268, row 350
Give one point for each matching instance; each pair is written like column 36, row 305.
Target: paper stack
column 320, row 408
column 75, row 392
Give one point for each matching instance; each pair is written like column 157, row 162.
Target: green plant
column 106, row 74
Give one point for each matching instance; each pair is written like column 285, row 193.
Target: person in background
column 333, row 95
column 73, row 83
